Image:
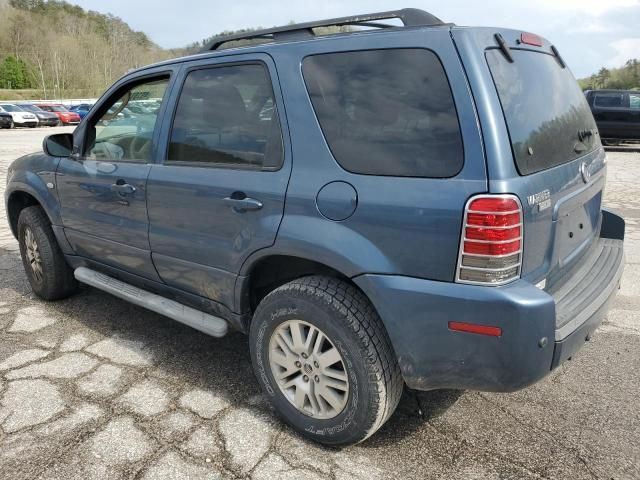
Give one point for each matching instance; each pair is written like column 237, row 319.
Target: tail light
column 491, row 243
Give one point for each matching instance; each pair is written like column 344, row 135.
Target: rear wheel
column 324, row 359
column 48, row 273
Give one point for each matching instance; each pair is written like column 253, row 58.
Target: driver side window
column 125, row 131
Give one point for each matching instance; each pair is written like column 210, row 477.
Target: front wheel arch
column 18, row 201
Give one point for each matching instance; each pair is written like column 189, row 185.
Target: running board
column 214, row 326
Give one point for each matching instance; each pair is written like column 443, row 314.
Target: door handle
column 123, row 188
column 240, row 203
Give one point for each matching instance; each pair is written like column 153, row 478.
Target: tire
column 54, row 279
column 352, row 327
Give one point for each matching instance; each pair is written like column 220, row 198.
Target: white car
column 21, row 118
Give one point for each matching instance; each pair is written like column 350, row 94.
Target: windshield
column 544, row 108
column 31, row 108
column 11, row 108
column 58, row 108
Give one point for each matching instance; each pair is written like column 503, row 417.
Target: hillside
column 54, row 49
column 626, row 77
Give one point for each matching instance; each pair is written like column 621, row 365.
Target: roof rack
column 410, row 17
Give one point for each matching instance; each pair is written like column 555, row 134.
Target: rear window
column 544, row 109
column 386, row 112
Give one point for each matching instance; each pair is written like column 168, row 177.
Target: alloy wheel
column 308, row 369
column 33, row 254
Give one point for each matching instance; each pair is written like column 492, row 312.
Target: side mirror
column 58, row 145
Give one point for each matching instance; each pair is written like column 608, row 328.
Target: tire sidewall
column 38, row 286
column 356, row 417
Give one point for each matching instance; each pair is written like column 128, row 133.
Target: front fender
column 31, row 174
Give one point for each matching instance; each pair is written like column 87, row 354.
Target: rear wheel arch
column 270, row 272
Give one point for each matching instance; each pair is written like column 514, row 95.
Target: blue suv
column 414, row 204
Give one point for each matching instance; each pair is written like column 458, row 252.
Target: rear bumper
column 417, row 312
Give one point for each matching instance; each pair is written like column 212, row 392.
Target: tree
column 15, row 73
column 626, row 77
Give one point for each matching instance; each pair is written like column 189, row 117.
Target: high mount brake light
column 530, row 39
column 491, row 242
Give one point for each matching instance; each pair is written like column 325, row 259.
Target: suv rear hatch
column 557, row 154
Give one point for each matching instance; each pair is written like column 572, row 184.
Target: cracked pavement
column 93, row 387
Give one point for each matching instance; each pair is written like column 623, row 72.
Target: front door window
column 124, row 131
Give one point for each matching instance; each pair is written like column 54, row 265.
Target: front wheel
column 325, row 361
column 48, row 273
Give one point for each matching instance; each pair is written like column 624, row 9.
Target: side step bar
column 214, row 326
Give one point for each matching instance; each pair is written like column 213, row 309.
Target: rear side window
column 634, row 101
column 615, row 100
column 386, row 112
column 226, row 116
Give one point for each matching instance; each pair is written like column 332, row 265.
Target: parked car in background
column 65, row 116
column 21, row 118
column 81, row 109
column 6, row 120
column 401, row 222
column 617, row 114
column 45, row 119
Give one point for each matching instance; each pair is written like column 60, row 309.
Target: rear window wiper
column 556, row 53
column 504, row 48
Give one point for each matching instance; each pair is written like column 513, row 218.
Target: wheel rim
column 308, row 369
column 33, row 254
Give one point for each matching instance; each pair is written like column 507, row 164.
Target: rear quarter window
column 386, row 112
column 610, row 100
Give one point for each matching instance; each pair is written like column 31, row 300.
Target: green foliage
column 101, row 23
column 60, row 48
column 626, row 77
column 15, row 73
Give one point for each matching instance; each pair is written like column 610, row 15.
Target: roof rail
column 410, row 17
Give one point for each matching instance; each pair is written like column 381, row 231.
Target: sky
column 588, row 33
